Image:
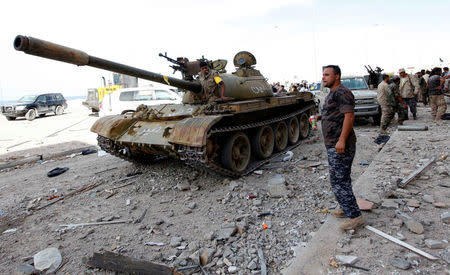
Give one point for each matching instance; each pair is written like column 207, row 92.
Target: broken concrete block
column 47, row 260
column 400, row 263
column 445, row 217
column 434, row 244
column 413, row 203
column 389, row 204
column 346, row 259
column 428, row 198
column 364, row 205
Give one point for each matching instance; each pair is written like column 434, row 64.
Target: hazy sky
column 291, row 39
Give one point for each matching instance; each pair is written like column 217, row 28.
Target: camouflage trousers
column 388, row 114
column 341, row 182
column 412, row 104
column 438, row 106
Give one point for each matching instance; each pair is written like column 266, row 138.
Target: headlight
column 20, row 108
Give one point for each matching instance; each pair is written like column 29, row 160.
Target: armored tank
column 232, row 138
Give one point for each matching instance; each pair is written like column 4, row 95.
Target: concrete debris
column 400, row 263
column 47, row 260
column 346, row 259
column 175, row 241
column 364, row 204
column 232, row 269
column 389, row 204
column 445, row 217
column 435, row 244
column 25, row 269
column 276, row 187
column 428, row 198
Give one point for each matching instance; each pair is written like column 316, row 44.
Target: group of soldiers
column 295, row 87
column 405, row 90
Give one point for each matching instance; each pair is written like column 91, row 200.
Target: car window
column 356, row 83
column 163, row 95
column 27, row 99
column 58, row 97
column 127, row 96
column 41, row 98
column 144, row 95
column 49, row 98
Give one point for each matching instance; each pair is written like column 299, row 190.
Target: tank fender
column 193, row 131
column 112, row 127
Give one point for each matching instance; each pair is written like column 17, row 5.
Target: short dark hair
column 385, row 76
column 436, row 70
column 336, row 69
column 203, row 64
column 396, row 79
column 445, row 68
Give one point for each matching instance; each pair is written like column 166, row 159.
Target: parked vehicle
column 128, row 99
column 35, row 105
column 92, row 101
column 366, row 103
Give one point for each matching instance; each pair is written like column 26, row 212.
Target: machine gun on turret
column 374, row 77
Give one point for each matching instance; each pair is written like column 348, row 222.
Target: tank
column 231, row 138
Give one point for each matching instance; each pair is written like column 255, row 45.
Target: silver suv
column 366, row 104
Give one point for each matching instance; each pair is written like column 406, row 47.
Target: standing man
column 211, row 82
column 394, row 104
column 385, row 110
column 408, row 91
column 437, row 100
column 340, row 142
column 422, row 88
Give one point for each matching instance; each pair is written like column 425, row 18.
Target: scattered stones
column 227, row 262
column 389, row 204
column 434, row 244
column 257, row 202
column 400, row 263
column 234, row 185
column 439, row 205
column 258, row 172
column 47, row 260
column 414, row 226
column 346, row 259
column 206, row 255
column 445, row 217
column 400, row 236
column 444, row 184
column 428, row 198
column 183, row 186
column 253, row 264
column 364, row 205
column 226, row 232
column 192, row 205
column 413, row 203
column 232, row 269
column 175, row 241
column 276, row 187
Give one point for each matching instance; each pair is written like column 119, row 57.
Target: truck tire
column 31, row 114
column 59, row 110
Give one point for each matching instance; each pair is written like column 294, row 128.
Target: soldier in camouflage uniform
column 381, row 97
column 409, row 89
column 211, row 82
column 393, row 103
column 340, row 142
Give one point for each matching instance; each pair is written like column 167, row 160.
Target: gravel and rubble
column 190, row 217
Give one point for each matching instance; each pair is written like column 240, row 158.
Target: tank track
column 196, row 156
column 119, row 151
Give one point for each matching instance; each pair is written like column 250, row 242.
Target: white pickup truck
column 366, row 103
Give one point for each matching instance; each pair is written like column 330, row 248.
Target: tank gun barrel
column 57, row 52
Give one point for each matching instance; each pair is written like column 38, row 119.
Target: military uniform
column 386, row 111
column 210, row 84
column 437, row 100
column 392, row 106
column 337, row 103
column 423, row 92
column 408, row 90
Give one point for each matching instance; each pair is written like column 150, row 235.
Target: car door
column 41, row 104
column 51, row 103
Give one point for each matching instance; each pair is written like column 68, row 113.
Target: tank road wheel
column 304, row 126
column 236, row 153
column 294, row 130
column 262, row 142
column 281, row 136
column 31, row 114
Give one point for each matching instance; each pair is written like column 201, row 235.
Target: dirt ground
column 186, row 210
